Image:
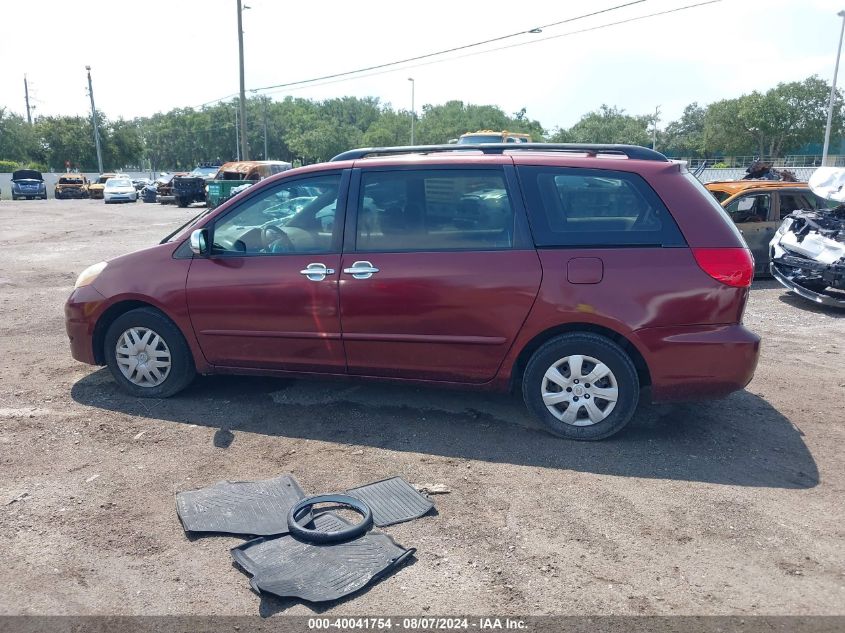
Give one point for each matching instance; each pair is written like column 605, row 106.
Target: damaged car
column 808, row 249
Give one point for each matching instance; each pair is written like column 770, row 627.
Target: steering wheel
column 275, row 240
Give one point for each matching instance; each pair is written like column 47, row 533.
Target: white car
column 119, row 190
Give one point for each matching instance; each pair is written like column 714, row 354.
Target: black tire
column 182, row 202
column 182, row 369
column 601, row 349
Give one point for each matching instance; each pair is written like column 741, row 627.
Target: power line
column 500, row 48
column 536, row 29
column 450, row 50
column 295, row 86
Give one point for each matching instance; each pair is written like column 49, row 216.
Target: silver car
column 119, row 190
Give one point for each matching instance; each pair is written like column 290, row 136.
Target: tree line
column 785, row 119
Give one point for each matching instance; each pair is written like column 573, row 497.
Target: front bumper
column 121, row 197
column 802, row 291
column 82, row 310
column 700, row 361
column 71, row 193
column 29, row 193
column 96, row 194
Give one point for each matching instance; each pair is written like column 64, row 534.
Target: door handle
column 316, row 271
column 361, row 270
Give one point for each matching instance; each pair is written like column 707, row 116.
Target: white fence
column 736, row 173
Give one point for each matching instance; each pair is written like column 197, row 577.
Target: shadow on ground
column 741, row 440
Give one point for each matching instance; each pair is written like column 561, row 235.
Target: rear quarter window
column 595, row 207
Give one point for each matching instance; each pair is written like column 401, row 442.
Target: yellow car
column 490, row 136
column 95, row 190
column 71, row 186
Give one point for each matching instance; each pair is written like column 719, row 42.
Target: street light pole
column 841, row 14
column 244, row 152
column 654, row 129
column 413, row 112
column 94, row 121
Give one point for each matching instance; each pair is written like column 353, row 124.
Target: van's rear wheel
column 147, row 354
column 581, row 386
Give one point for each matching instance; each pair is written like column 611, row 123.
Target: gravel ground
column 727, row 507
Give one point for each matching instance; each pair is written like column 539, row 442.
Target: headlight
column 88, row 275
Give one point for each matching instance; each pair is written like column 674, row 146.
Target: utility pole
column 841, row 14
column 26, row 95
column 237, row 136
column 654, row 129
column 94, row 122
column 413, row 113
column 265, row 127
column 244, row 149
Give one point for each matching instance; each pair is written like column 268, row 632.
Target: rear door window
column 793, row 201
column 434, row 210
column 802, row 200
column 595, row 207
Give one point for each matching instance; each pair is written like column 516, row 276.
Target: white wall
column 52, row 178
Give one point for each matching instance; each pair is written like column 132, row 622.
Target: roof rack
column 629, row 151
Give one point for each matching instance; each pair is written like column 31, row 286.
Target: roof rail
column 629, row 151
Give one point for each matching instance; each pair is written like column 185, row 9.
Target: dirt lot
column 728, row 507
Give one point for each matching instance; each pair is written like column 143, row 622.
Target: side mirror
column 199, row 242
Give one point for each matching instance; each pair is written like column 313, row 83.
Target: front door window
column 296, row 217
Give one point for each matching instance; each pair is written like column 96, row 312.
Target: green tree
column 608, row 124
column 775, row 122
column 67, row 139
column 19, row 140
column 391, row 129
column 440, row 123
column 122, row 144
column 685, row 137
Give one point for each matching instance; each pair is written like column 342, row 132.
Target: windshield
column 70, row 181
column 204, row 171
column 721, row 196
column 480, row 138
column 118, row 182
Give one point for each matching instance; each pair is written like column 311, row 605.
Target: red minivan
column 585, row 275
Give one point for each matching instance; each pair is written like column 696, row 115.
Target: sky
column 158, row 55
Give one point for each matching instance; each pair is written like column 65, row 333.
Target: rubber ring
column 303, row 510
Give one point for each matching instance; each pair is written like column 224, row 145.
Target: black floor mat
column 392, row 501
column 286, row 567
column 258, row 508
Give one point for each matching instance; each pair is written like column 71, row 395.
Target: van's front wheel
column 147, row 354
column 581, row 386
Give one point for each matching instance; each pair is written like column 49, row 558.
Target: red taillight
column 730, row 266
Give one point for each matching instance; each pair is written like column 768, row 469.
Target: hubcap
column 143, row 357
column 579, row 390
